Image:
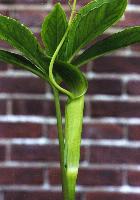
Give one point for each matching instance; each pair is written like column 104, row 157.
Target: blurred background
column 110, row 152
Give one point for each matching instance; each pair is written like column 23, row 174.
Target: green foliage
column 20, row 61
column 21, row 38
column 90, row 22
column 58, row 63
column 53, row 28
column 116, row 41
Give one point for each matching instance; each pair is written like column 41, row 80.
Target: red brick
column 41, row 195
column 54, row 176
column 104, row 196
column 38, row 153
column 15, row 195
column 97, row 177
column 134, row 178
column 62, row 1
column 134, row 132
column 117, row 64
column 20, row 130
column 2, row 107
column 52, row 131
column 30, row 1
column 131, row 19
column 103, row 131
column 35, row 153
column 89, row 177
column 135, row 1
column 78, row 2
column 3, row 44
column 133, row 88
column 22, row 85
column 29, row 176
column 111, row 195
column 34, row 107
column 105, row 86
column 29, row 18
column 3, row 66
column 4, row 12
column 28, row 107
column 118, row 155
column 135, row 47
column 2, row 153
column 7, row 1
column 115, row 109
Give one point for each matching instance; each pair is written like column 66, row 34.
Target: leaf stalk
column 61, row 141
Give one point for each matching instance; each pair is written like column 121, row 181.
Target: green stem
column 73, row 11
column 61, row 141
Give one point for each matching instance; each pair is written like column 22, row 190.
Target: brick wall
column 110, row 153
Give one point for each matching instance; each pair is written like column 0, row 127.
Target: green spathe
column 73, row 129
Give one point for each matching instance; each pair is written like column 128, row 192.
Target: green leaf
column 21, row 38
column 90, row 22
column 53, row 28
column 116, row 41
column 20, row 61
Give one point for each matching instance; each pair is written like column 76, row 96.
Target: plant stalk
column 68, row 177
column 61, row 141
